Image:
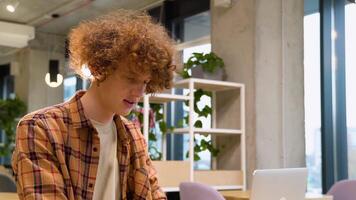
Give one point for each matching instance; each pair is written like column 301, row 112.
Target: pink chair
column 343, row 190
column 198, row 191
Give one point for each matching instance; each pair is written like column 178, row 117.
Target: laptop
column 279, row 184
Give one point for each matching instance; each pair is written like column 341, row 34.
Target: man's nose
column 138, row 90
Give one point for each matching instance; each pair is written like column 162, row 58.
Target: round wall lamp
column 53, row 78
column 55, row 83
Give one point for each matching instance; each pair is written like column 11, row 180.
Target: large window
column 73, row 83
column 312, row 94
column 350, row 54
column 69, row 84
column 330, row 95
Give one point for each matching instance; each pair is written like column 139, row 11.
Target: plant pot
column 198, row 72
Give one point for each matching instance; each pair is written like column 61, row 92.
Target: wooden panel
column 9, row 196
column 172, row 173
column 245, row 195
column 219, row 177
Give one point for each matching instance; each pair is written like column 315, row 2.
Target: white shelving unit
column 232, row 179
column 210, row 131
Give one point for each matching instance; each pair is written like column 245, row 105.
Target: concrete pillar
column 280, row 135
column 261, row 43
column 40, row 94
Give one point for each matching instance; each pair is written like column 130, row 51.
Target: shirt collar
column 76, row 111
column 79, row 120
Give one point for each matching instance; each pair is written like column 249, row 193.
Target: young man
column 84, row 148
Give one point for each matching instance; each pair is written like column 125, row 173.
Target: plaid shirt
column 57, row 155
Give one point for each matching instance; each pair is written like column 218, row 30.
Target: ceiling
column 39, row 13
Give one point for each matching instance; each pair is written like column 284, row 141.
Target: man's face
column 121, row 91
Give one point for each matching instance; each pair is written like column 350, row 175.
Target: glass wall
column 70, row 85
column 350, row 64
column 312, row 94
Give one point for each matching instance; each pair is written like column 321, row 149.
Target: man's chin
column 125, row 112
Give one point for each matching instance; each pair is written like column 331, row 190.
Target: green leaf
column 186, row 103
column 196, row 109
column 152, row 136
column 197, row 148
column 206, row 111
column 204, row 142
column 186, row 119
column 196, row 157
column 208, row 93
column 163, row 127
column 198, row 94
column 159, row 116
column 198, row 124
column 185, row 74
column 210, row 63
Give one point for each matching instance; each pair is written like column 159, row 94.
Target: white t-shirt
column 107, row 184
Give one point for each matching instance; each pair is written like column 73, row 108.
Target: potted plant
column 207, row 66
column 10, row 111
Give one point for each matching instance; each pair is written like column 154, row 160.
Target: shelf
column 170, row 189
column 210, row 131
column 164, row 98
column 222, row 187
column 184, row 170
column 209, row 85
column 228, row 187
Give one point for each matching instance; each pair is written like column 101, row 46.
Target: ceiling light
column 11, row 7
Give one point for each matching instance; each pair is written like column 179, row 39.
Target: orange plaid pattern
column 57, row 155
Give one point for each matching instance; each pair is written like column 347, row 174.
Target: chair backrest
column 343, row 190
column 7, row 184
column 198, row 191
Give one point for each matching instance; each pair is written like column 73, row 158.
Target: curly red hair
column 125, row 35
